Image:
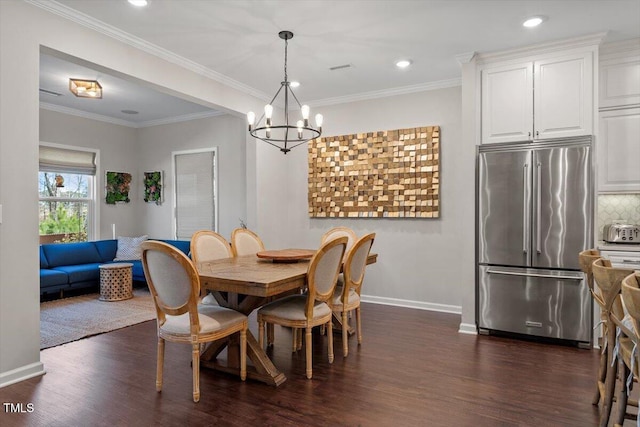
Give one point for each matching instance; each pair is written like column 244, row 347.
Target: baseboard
column 22, row 373
column 454, row 309
column 468, row 328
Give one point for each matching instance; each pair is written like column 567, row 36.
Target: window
column 196, row 208
column 66, row 187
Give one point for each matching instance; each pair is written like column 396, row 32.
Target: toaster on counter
column 621, row 233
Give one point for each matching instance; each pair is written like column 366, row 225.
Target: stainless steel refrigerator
column 535, row 214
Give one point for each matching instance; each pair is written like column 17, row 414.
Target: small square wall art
column 153, row 187
column 118, row 185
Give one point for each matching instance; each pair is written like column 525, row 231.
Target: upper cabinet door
column 507, row 103
column 563, row 96
column 620, row 82
column 619, row 151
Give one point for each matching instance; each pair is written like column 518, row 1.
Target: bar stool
column 586, row 259
column 609, row 280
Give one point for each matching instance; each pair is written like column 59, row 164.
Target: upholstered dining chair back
column 336, row 232
column 207, row 245
column 356, row 262
column 245, row 242
column 324, row 269
column 172, row 279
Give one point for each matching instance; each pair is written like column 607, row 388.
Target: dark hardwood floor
column 413, row 369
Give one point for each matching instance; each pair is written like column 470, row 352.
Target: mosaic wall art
column 384, row 174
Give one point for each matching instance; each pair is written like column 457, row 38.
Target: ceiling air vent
column 340, row 67
column 50, row 92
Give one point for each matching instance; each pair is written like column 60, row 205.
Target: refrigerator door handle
column 525, row 210
column 576, row 276
column 538, row 209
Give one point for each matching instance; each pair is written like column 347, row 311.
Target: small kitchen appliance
column 621, row 233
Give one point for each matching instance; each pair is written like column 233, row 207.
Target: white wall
column 155, row 145
column 118, row 152
column 426, row 263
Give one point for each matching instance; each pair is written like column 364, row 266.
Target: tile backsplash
column 618, row 208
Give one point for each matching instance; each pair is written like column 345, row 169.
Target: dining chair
column 586, row 259
column 340, row 232
column 175, row 285
column 609, row 280
column 207, row 245
column 245, row 242
column 628, row 350
column 314, row 308
column 346, row 298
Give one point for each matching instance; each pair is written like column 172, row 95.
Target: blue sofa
column 67, row 266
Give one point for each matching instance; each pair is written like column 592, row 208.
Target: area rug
column 71, row 319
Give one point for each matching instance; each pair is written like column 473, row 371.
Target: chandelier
column 85, row 88
column 287, row 135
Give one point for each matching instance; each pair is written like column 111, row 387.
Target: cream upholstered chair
column 609, row 280
column 628, row 350
column 175, row 286
column 586, row 259
column 207, row 245
column 245, row 242
column 346, row 298
column 340, row 232
column 314, row 307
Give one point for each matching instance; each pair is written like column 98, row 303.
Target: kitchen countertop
column 618, row 247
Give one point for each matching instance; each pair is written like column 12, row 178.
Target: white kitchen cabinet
column 620, row 81
column 542, row 99
column 619, row 151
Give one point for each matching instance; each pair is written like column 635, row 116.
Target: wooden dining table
column 244, row 284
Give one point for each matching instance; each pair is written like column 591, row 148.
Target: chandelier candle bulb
column 268, row 111
column 251, row 119
column 319, row 119
column 299, row 124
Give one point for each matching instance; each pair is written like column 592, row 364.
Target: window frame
column 93, row 211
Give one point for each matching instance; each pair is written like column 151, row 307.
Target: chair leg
column 270, row 334
column 622, row 396
column 195, row 365
column 261, row 333
column 330, row 339
column 345, row 335
column 243, row 354
column 359, row 325
column 294, row 339
column 610, row 382
column 160, row 364
column 602, row 375
column 307, row 339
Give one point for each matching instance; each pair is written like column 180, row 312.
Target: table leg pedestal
column 262, row 369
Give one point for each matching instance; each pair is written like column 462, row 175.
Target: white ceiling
column 237, row 41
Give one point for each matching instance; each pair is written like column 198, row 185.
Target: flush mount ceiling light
column 283, row 135
column 85, row 88
column 534, row 21
column 139, row 3
column 403, row 63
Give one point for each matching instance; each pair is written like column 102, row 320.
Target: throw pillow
column 129, row 248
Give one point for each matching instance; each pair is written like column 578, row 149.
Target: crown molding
column 619, row 48
column 465, row 58
column 127, row 123
column 441, row 84
column 138, row 43
column 554, row 46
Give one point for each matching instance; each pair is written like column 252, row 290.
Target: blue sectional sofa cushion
column 81, row 272
column 71, row 253
column 43, row 259
column 49, row 278
column 107, row 249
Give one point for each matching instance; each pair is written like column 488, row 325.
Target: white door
column 619, row 151
column 507, row 103
column 563, row 96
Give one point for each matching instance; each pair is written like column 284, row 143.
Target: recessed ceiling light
column 534, row 21
column 294, row 84
column 403, row 64
column 139, row 3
